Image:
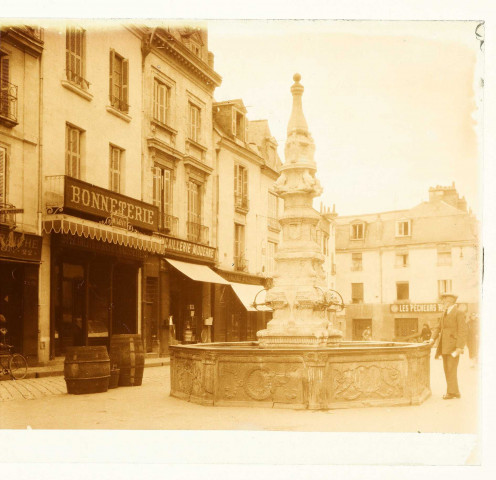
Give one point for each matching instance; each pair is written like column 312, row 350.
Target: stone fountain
column 300, row 360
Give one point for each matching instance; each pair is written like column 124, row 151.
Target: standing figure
column 426, row 333
column 452, row 333
column 367, row 334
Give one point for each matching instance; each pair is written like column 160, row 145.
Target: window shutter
column 157, row 187
column 111, row 86
column 3, row 175
column 245, row 184
column 4, row 84
column 236, row 167
column 125, row 85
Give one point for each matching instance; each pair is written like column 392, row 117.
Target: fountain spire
column 297, row 122
column 298, row 297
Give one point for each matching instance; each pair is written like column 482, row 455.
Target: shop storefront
column 396, row 321
column 20, row 255
column 186, row 286
column 236, row 317
column 100, row 251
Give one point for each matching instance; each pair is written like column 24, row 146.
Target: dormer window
column 357, row 231
column 195, row 48
column 238, row 124
column 403, row 228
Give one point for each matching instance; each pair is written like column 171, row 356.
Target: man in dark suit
column 452, row 333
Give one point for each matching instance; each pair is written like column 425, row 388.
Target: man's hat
column 449, row 295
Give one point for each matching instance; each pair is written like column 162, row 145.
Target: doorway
column 359, row 325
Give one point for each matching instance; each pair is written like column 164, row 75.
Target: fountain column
column 298, row 296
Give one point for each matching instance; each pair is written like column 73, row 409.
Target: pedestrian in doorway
column 452, row 333
column 367, row 334
column 426, row 333
column 473, row 338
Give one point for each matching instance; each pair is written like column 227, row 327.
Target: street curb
column 60, row 372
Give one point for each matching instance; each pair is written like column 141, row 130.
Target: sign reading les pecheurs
column 90, row 199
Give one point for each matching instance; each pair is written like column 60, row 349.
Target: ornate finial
column 297, row 120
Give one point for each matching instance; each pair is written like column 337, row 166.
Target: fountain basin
column 350, row 374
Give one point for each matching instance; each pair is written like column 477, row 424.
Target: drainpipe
column 40, row 204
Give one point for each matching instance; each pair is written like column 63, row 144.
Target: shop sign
column 188, row 248
column 90, row 199
column 119, row 221
column 22, row 246
column 416, row 308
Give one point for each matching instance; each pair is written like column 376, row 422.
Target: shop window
column 116, row 164
column 357, row 231
column 402, row 291
column 73, row 144
column 161, row 99
column 356, row 261
column 444, row 286
column 240, row 187
column 405, row 327
column 401, row 260
column 194, row 123
column 403, row 228
column 357, row 293
column 75, row 46
column 444, row 258
column 119, row 82
column 3, row 176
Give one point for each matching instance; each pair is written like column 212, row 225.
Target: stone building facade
column 124, row 190
column 21, row 50
column 392, row 266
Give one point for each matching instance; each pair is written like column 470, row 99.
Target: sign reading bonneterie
column 90, row 199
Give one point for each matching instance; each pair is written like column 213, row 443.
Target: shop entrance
column 93, row 297
column 11, row 284
column 359, row 325
column 19, row 306
column 69, row 324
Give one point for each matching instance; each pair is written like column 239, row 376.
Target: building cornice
column 22, row 38
column 426, row 245
column 242, row 151
column 165, row 44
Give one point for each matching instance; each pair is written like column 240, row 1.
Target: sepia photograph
column 242, row 226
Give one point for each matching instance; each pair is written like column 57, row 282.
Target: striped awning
column 104, row 233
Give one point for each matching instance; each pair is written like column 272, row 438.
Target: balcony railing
column 8, row 103
column 198, row 233
column 54, row 193
column 241, row 202
column 8, row 215
column 168, row 224
column 273, row 224
column 119, row 104
column 77, row 79
column 240, row 264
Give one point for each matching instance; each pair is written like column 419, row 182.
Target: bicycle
column 13, row 364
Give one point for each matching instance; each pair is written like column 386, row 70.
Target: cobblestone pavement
column 31, row 388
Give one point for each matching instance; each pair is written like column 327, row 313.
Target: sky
column 393, row 107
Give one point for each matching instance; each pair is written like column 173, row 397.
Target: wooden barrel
column 86, row 370
column 114, row 378
column 126, row 351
